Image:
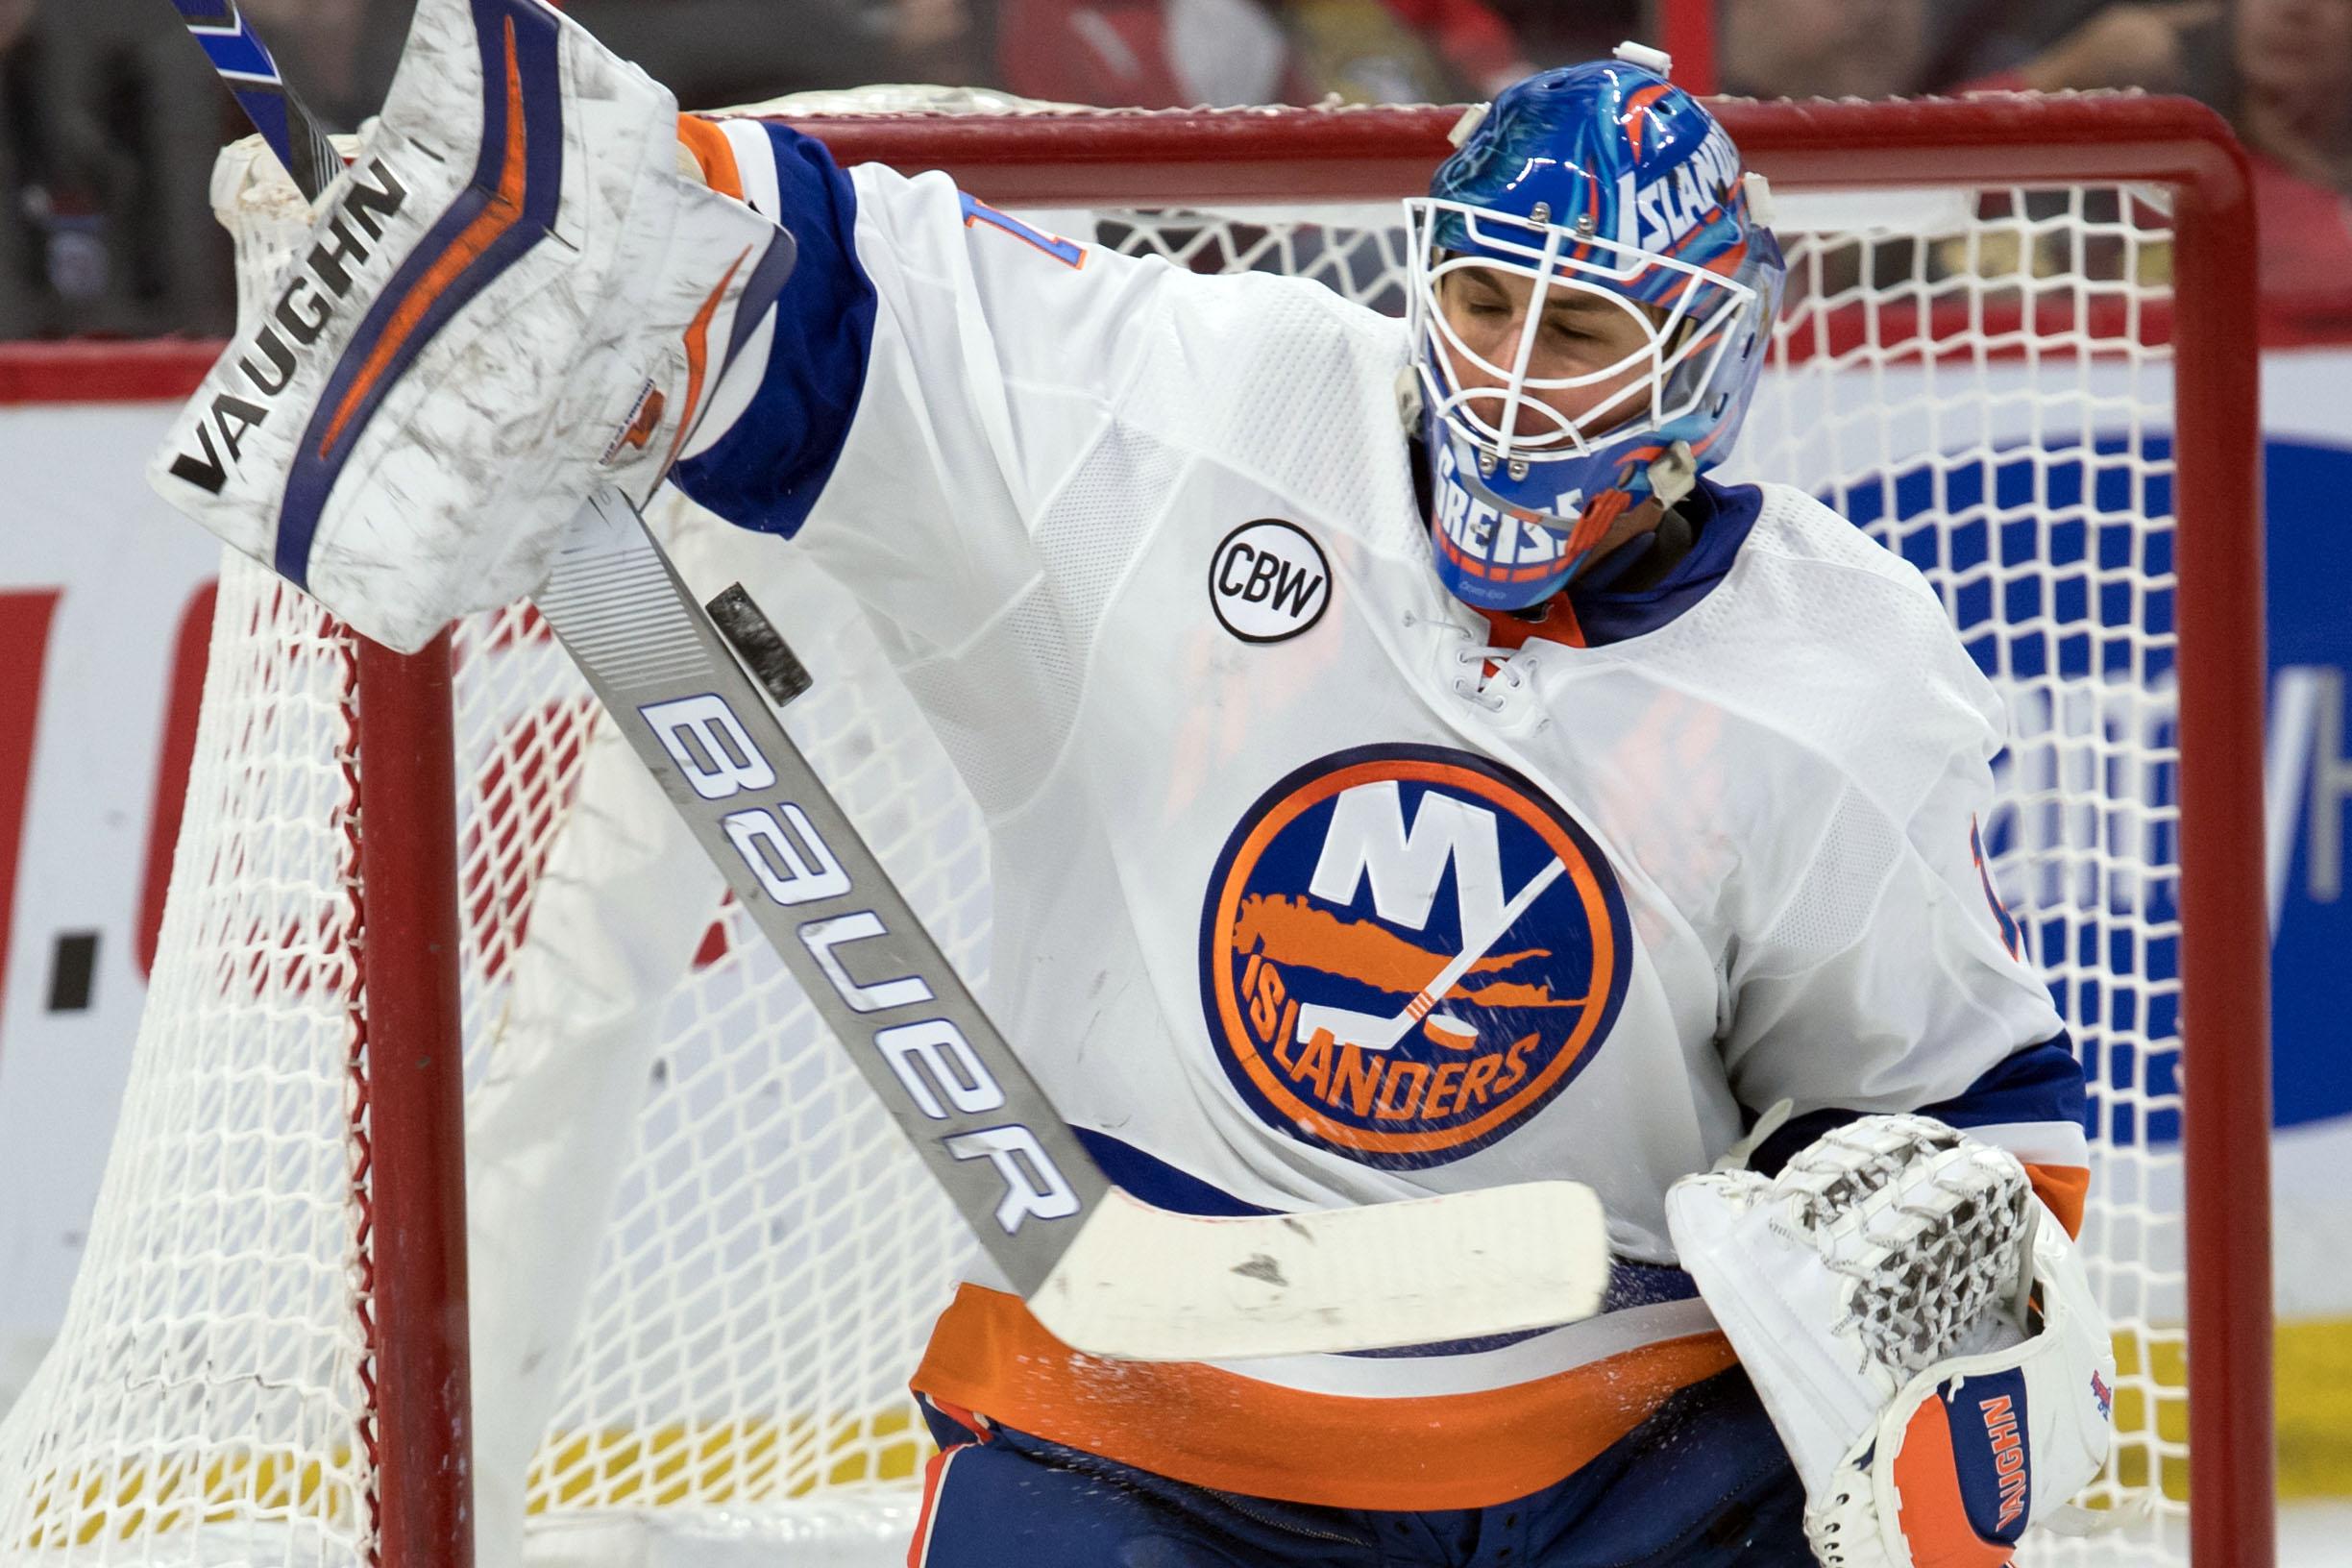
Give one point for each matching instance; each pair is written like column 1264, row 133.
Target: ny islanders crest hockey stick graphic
column 1370, row 1032
column 1102, row 1270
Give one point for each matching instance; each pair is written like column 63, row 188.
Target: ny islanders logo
column 1407, row 951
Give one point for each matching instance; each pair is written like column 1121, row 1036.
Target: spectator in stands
column 2294, row 85
column 1143, row 54
column 1167, row 53
column 2291, row 100
column 1823, row 48
column 18, row 272
column 113, row 136
column 718, row 53
column 316, row 42
column 1399, row 51
column 1552, row 33
column 2153, row 46
column 2294, row 107
column 944, row 42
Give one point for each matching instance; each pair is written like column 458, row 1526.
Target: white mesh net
column 703, row 1266
column 211, row 1371
column 1972, row 380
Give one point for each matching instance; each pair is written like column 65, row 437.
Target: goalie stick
column 1102, row 1270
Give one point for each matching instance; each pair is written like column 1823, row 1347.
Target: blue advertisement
column 2062, row 639
column 2308, row 773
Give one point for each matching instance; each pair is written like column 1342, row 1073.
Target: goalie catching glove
column 1930, row 1355
column 510, row 299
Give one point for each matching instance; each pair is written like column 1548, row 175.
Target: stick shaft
column 251, row 72
column 1013, row 1167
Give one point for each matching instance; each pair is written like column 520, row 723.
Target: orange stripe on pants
column 1212, row 1427
column 935, row 1477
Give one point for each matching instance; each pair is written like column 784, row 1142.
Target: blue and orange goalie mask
column 1604, row 186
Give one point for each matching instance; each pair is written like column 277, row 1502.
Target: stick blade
column 1142, row 1283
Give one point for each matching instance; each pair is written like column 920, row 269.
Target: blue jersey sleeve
column 766, row 471
column 2042, row 1083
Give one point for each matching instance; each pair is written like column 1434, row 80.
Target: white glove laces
column 1952, row 1239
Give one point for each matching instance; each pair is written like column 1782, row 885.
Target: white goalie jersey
column 1313, row 886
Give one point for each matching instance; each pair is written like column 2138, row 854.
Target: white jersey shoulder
column 1839, row 646
column 1016, row 379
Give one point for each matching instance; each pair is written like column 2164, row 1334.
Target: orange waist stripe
column 1210, row 1428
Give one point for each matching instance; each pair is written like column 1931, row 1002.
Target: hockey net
column 702, row 1263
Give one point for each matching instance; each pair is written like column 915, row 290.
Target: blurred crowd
column 108, row 119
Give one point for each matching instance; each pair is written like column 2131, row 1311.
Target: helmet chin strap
column 1408, row 399
column 1599, row 514
column 1672, row 474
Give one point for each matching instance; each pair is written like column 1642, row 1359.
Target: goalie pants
column 1702, row 1483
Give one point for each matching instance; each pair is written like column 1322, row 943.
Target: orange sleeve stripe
column 711, row 150
column 1211, row 1428
column 2062, row 1189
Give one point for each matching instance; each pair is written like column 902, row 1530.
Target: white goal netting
column 703, row 1262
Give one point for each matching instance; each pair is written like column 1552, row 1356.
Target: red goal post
column 410, row 1176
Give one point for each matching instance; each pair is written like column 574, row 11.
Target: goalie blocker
column 509, row 298
column 1962, row 1386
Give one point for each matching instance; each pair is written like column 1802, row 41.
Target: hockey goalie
column 1406, row 772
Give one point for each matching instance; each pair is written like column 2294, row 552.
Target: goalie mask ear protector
column 1606, row 215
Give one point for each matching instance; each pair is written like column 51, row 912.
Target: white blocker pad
column 510, row 299
column 1921, row 1332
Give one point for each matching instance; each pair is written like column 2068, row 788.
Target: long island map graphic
column 1407, row 951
